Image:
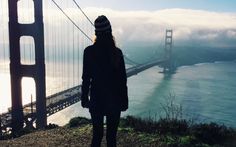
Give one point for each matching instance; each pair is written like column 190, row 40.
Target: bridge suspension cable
column 131, row 61
column 58, row 54
column 72, row 21
column 83, row 12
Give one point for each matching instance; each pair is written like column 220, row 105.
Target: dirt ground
column 77, row 137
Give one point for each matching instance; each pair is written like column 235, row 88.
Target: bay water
column 206, row 93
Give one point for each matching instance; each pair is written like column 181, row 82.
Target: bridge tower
column 18, row 70
column 168, row 50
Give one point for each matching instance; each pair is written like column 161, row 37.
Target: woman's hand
column 85, row 103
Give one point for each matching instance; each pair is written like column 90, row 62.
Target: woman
column 104, row 77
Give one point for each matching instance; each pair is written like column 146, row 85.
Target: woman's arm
column 86, row 77
column 124, row 104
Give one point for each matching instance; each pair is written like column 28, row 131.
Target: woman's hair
column 106, row 42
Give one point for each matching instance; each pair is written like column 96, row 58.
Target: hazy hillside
column 183, row 55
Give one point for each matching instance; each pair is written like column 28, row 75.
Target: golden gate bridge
column 50, row 46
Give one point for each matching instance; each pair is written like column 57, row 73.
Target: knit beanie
column 102, row 25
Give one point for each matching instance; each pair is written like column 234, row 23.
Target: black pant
column 112, row 122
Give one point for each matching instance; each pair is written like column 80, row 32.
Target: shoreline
column 203, row 63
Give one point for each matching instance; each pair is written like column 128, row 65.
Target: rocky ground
column 78, row 137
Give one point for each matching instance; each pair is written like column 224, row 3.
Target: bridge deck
column 66, row 98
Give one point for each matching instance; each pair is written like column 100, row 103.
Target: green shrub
column 163, row 126
column 78, row 121
column 212, row 133
column 188, row 141
column 52, row 126
column 172, row 126
column 138, row 124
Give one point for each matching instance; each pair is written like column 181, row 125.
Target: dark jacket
column 106, row 83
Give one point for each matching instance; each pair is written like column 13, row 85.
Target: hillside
column 193, row 55
column 133, row 132
column 79, row 137
column 182, row 55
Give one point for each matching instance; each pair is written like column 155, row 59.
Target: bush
column 163, row 126
column 138, row 124
column 172, row 110
column 212, row 133
column 78, row 121
column 172, row 126
column 179, row 132
column 52, row 126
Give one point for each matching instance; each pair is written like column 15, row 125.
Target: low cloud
column 190, row 26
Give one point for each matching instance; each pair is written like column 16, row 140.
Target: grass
column 175, row 132
column 132, row 131
column 169, row 131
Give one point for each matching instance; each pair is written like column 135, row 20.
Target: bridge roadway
column 66, row 98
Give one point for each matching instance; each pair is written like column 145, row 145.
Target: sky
column 195, row 22
column 191, row 27
column 209, row 5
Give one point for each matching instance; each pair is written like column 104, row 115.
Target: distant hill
column 182, row 55
column 193, row 55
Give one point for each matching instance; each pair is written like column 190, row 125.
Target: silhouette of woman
column 104, row 77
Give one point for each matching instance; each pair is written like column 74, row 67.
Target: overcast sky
column 209, row 5
column 201, row 22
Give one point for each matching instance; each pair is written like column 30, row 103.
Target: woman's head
column 103, row 32
column 105, row 40
column 102, row 26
